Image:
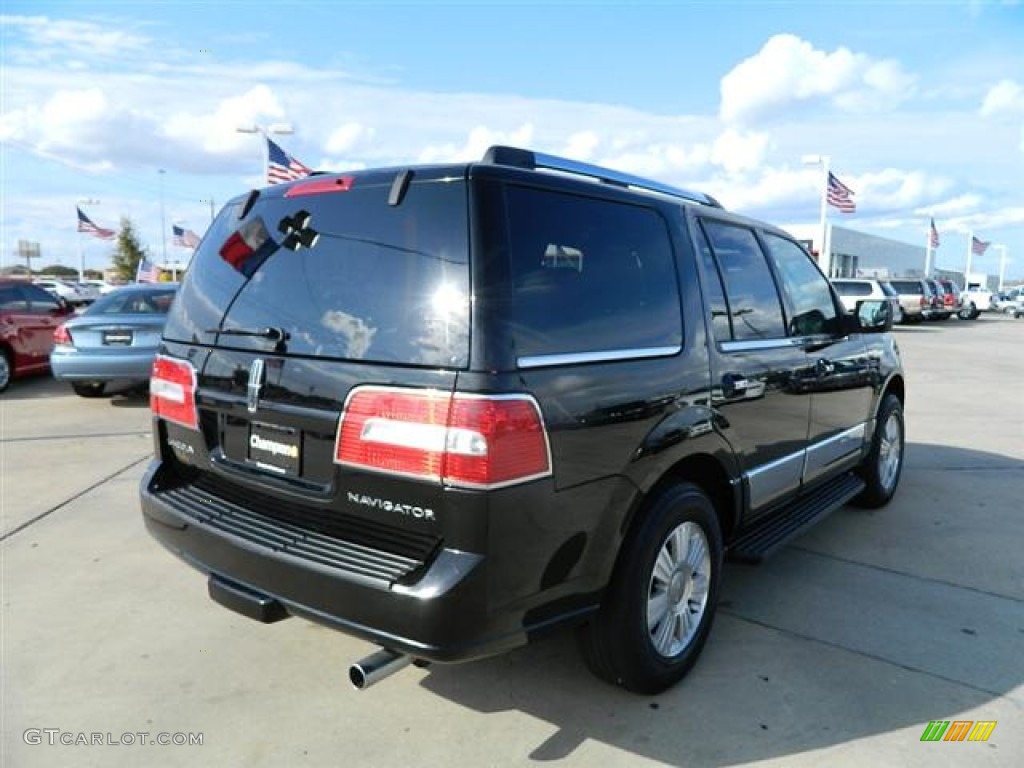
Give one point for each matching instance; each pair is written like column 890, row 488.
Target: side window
column 590, row 275
column 805, row 288
column 12, row 300
column 714, row 294
column 754, row 308
column 42, row 302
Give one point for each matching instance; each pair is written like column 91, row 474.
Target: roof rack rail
column 525, row 158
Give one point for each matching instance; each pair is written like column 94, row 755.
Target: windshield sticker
column 297, row 232
column 249, row 246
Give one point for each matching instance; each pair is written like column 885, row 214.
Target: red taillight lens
column 471, row 441
column 62, row 336
column 172, row 391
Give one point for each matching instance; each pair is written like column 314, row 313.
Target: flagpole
column 825, row 259
column 970, row 250
column 928, row 247
column 1002, row 265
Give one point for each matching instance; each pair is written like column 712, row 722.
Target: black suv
column 444, row 408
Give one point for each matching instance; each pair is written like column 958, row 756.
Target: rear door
column 44, row 314
column 757, row 367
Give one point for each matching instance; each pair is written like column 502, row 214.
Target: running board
column 779, row 527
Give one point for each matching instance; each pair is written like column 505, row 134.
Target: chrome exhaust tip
column 376, row 667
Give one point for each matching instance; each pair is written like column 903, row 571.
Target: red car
column 28, row 317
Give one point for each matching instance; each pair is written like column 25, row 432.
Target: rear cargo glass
column 908, row 286
column 590, row 276
column 343, row 274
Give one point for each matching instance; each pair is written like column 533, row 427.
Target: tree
column 128, row 251
column 59, row 270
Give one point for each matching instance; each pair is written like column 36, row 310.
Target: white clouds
column 788, row 71
column 348, row 137
column 75, row 37
column 479, row 139
column 581, row 145
column 737, row 151
column 1004, row 98
column 216, row 132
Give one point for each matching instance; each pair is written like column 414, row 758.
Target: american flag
column 839, row 195
column 978, row 247
column 148, row 272
column 85, row 224
column 283, row 167
column 184, row 238
column 933, row 235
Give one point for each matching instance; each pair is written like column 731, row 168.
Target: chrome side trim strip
column 604, row 356
column 770, row 481
column 823, row 454
column 754, row 345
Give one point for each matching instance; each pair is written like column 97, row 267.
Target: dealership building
column 858, row 254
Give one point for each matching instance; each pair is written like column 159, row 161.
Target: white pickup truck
column 976, row 299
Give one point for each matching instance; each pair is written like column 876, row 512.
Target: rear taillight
column 62, row 336
column 470, row 441
column 172, row 391
column 924, row 302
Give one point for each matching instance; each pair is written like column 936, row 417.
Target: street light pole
column 81, row 251
column 264, row 131
column 163, row 221
column 824, row 247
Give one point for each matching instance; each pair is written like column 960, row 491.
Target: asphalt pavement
column 839, row 651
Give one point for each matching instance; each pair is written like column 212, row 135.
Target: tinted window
column 850, row 288
column 887, row 289
column 41, row 301
column 812, row 309
column 156, row 301
column 11, row 299
column 589, row 275
column 754, row 308
column 714, row 293
column 343, row 273
column 908, row 286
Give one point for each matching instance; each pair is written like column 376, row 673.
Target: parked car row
column 915, row 299
column 114, row 338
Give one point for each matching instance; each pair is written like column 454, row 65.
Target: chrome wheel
column 677, row 594
column 890, row 452
column 5, row 371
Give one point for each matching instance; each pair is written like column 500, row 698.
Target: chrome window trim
column 604, row 356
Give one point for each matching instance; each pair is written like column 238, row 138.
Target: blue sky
column 920, row 105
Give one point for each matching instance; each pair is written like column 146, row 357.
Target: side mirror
column 873, row 316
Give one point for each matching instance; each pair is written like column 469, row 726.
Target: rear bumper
column 70, row 364
column 445, row 612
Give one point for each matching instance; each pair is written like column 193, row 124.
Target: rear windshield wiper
column 277, row 335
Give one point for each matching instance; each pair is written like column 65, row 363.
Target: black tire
column 617, row 644
column 88, row 388
column 6, row 370
column 883, row 465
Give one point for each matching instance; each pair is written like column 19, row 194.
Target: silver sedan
column 115, row 339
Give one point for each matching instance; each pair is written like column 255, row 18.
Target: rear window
column 908, row 286
column 134, row 302
column 343, row 274
column 590, row 276
column 847, row 288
